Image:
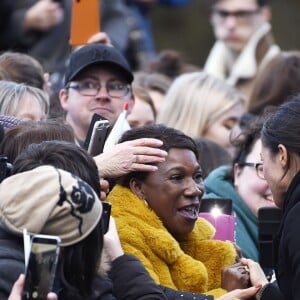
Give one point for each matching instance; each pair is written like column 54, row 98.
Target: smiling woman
column 281, row 159
column 157, row 218
column 244, row 183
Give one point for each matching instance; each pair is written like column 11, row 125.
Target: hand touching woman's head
column 174, row 191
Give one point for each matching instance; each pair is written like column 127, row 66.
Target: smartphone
column 95, row 118
column 225, row 205
column 100, row 132
column 105, row 215
column 41, row 267
column 218, row 212
column 85, row 21
column 269, row 219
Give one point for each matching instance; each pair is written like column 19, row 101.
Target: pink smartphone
column 224, row 225
column 218, row 212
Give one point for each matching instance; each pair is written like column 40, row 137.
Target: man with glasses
column 244, row 41
column 98, row 80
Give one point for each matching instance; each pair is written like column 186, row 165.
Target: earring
column 146, row 203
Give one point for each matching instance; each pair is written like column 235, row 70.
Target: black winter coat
column 287, row 249
column 127, row 279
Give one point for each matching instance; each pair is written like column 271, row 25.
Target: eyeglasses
column 241, row 16
column 89, row 88
column 259, row 168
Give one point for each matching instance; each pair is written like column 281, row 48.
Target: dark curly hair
column 171, row 138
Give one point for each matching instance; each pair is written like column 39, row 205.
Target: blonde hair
column 195, row 100
column 11, row 95
column 144, row 96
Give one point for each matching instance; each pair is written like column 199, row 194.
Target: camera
column 5, row 167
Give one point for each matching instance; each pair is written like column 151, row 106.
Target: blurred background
column 187, row 29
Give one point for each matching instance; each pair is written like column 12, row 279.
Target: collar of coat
column 246, row 65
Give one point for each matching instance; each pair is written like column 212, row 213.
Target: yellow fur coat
column 192, row 265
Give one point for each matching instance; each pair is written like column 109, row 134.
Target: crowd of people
column 179, row 134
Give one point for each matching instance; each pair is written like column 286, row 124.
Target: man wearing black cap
column 98, row 80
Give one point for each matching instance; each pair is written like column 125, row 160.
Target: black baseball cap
column 97, row 54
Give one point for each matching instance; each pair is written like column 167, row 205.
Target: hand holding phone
column 41, row 267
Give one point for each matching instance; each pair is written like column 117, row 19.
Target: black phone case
column 269, row 219
column 106, row 215
column 95, row 118
column 41, row 268
column 99, row 136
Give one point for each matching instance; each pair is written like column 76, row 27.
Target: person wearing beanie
column 98, row 80
column 48, row 200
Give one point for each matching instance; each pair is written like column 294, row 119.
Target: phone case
column 85, row 21
column 106, row 215
column 224, row 225
column 99, row 135
column 41, row 267
column 95, row 118
column 269, row 219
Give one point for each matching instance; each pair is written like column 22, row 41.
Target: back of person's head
column 282, row 127
column 194, row 101
column 152, row 81
column 277, row 81
column 171, row 138
column 170, row 63
column 60, row 154
column 143, row 112
column 211, row 155
column 12, row 94
column 20, row 136
column 142, row 94
column 156, row 84
column 21, row 68
column 70, row 209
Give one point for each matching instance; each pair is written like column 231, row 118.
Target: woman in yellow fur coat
column 157, row 220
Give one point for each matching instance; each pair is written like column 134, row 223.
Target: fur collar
column 193, row 264
column 246, row 65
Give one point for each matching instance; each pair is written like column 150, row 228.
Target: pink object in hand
column 224, row 225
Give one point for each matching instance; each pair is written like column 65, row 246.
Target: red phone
column 85, row 21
